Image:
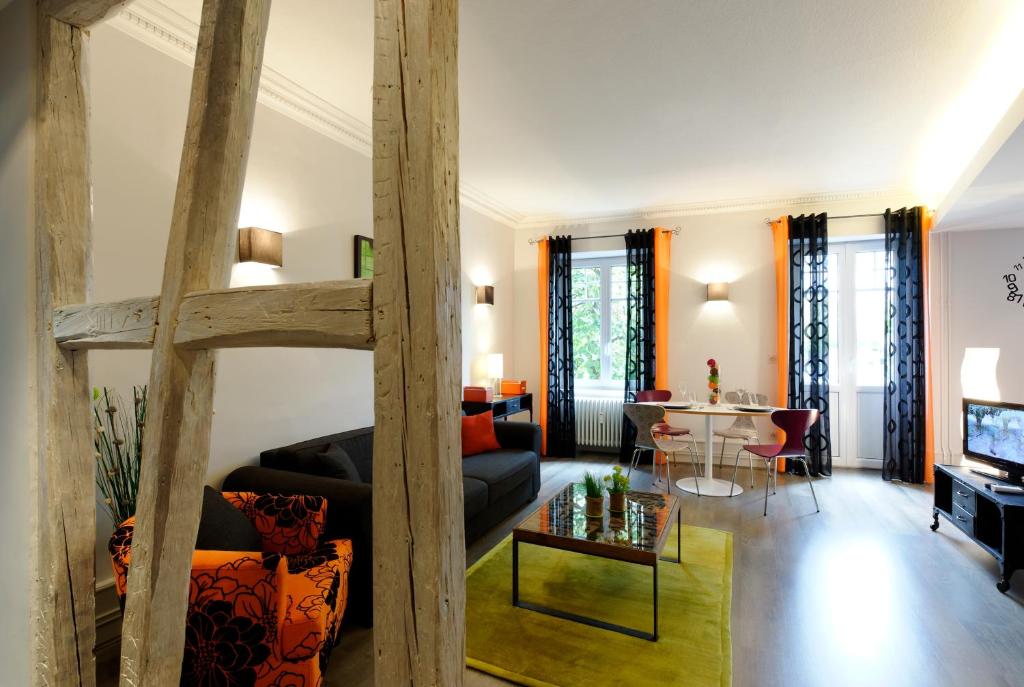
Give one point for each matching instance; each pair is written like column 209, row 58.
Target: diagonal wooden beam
column 333, row 314
column 418, row 537
column 200, row 250
column 81, row 13
column 64, row 619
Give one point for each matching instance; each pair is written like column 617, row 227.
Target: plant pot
column 595, row 506
column 617, row 502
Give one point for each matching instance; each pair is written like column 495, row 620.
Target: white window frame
column 604, row 260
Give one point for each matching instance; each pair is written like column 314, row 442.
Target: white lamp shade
column 495, row 365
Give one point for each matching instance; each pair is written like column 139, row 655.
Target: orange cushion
column 478, row 434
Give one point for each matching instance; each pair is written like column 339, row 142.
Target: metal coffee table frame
column 597, row 551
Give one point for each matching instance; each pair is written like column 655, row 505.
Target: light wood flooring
column 860, row 594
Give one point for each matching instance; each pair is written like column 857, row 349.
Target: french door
column 856, row 282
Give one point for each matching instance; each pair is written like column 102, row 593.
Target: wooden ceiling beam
column 333, row 314
column 82, row 13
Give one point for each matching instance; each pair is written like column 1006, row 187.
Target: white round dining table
column 709, row 484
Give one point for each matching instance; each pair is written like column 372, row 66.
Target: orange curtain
column 662, row 270
column 929, row 406
column 542, row 319
column 780, row 250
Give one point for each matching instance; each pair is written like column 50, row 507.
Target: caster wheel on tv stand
column 1003, row 586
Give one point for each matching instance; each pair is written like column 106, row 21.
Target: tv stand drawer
column 965, row 497
column 963, row 520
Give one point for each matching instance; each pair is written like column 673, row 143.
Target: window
column 599, row 289
column 869, row 280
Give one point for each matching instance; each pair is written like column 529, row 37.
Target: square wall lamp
column 260, row 245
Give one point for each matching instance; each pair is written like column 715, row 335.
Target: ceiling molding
column 713, row 207
column 160, row 27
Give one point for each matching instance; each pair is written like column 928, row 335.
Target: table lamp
column 496, row 370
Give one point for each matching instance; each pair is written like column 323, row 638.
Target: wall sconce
column 260, row 245
column 718, row 291
column 485, row 295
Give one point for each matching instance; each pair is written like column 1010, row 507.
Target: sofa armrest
column 524, row 436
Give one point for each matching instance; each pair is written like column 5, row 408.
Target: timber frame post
column 410, row 315
column 418, row 534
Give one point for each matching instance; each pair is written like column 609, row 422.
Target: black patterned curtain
column 808, row 338
column 561, row 398
column 903, row 401
column 639, row 328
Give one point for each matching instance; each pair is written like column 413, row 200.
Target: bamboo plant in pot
column 595, row 495
column 617, row 485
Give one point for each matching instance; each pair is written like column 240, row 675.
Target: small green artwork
column 363, row 252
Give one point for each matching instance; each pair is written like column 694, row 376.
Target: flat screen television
column 994, row 434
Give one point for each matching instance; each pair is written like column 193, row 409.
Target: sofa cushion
column 358, row 443
column 478, row 434
column 502, row 470
column 222, row 527
column 474, row 496
column 337, row 463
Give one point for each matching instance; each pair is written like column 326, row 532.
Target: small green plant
column 616, row 483
column 595, row 489
column 118, row 444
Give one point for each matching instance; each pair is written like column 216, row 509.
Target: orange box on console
column 513, row 387
column 478, row 394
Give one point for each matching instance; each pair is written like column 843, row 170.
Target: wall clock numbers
column 1014, row 281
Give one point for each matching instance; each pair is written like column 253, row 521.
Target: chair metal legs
column 633, row 461
column 810, row 483
column 771, row 464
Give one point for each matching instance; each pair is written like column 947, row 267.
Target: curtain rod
column 867, row 214
column 602, row 236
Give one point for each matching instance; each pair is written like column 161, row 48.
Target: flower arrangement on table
column 617, row 485
column 714, row 381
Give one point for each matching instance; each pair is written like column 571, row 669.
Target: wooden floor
column 860, row 594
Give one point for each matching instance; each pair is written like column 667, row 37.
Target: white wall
column 734, row 247
column 18, row 458
column 315, row 190
column 976, row 316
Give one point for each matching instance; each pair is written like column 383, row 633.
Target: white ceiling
column 571, row 108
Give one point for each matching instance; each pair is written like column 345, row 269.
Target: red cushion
column 478, row 434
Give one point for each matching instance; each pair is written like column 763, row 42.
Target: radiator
column 598, row 423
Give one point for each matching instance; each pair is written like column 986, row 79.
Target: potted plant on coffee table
column 617, row 485
column 595, row 495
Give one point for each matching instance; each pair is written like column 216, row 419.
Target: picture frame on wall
column 363, row 257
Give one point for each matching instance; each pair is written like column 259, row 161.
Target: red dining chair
column 664, row 428
column 794, row 424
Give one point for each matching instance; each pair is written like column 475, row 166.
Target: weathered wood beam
column 81, row 13
column 121, row 324
column 418, row 537
column 324, row 315
column 333, row 314
column 200, row 251
column 65, row 622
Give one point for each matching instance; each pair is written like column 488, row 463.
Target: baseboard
column 108, row 617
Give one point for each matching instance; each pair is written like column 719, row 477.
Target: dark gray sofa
column 495, row 485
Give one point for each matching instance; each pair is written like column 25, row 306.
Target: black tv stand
column 994, row 521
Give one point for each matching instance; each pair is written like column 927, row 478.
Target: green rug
column 694, row 645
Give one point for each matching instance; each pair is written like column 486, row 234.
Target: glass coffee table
column 637, row 536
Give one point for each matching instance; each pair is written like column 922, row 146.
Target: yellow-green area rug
column 694, row 646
